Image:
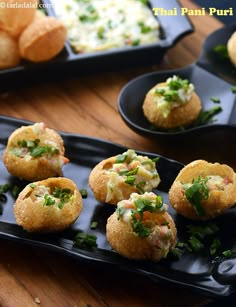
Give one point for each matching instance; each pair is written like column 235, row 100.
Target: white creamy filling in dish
column 95, row 25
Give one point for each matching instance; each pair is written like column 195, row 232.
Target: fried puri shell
column 218, row 201
column 36, row 217
column 127, row 243
column 36, row 168
column 9, row 51
column 179, row 116
column 231, row 47
column 98, row 181
column 15, row 16
column 42, row 40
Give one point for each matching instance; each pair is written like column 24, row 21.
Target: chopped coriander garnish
column 15, row 191
column 84, row 193
column 155, row 160
column 141, row 205
column 144, row 29
column 207, row 116
column 94, row 225
column 85, row 240
column 36, row 150
column 215, row 99
column 63, row 194
column 221, row 51
column 129, row 173
column 196, row 192
column 4, row 188
column 227, row 253
column 215, row 245
column 121, row 158
column 233, row 89
column 32, row 185
column 48, row 200
column 135, row 42
column 195, row 244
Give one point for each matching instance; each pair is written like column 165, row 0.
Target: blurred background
column 219, row 4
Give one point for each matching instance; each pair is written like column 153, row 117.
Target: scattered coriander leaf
column 83, row 239
column 84, row 193
column 233, row 89
column 215, row 99
column 227, row 253
column 94, row 225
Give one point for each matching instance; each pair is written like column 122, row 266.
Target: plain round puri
column 9, row 51
column 115, row 178
column 172, row 104
column 15, row 18
column 231, row 47
column 141, row 228
column 203, row 190
column 48, row 206
column 34, row 152
column 43, row 39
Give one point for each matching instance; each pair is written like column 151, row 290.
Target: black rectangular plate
column 193, row 271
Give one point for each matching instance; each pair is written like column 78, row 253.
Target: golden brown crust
column 9, row 51
column 231, row 47
column 15, row 19
column 42, row 40
column 127, row 243
column 35, row 168
column 218, row 201
column 98, row 181
column 35, row 217
column 179, row 116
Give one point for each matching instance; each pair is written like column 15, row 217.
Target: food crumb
column 37, row 300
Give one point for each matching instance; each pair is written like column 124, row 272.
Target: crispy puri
column 98, row 182
column 15, row 16
column 231, row 47
column 182, row 115
column 35, row 213
column 9, row 51
column 19, row 161
column 112, row 180
column 42, row 40
column 127, row 243
column 221, row 195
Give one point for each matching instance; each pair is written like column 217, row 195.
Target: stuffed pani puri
column 115, row 178
column 43, row 39
column 203, row 190
column 141, row 228
column 15, row 16
column 172, row 104
column 231, row 48
column 9, row 51
column 34, row 152
column 49, row 205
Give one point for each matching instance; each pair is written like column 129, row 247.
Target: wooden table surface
column 30, row 276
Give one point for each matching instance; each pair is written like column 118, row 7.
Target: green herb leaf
column 197, row 192
column 94, row 225
column 214, row 246
column 233, row 89
column 48, row 200
column 85, row 240
column 221, row 51
column 84, row 193
column 121, row 158
column 227, row 253
column 215, row 99
column 207, row 116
